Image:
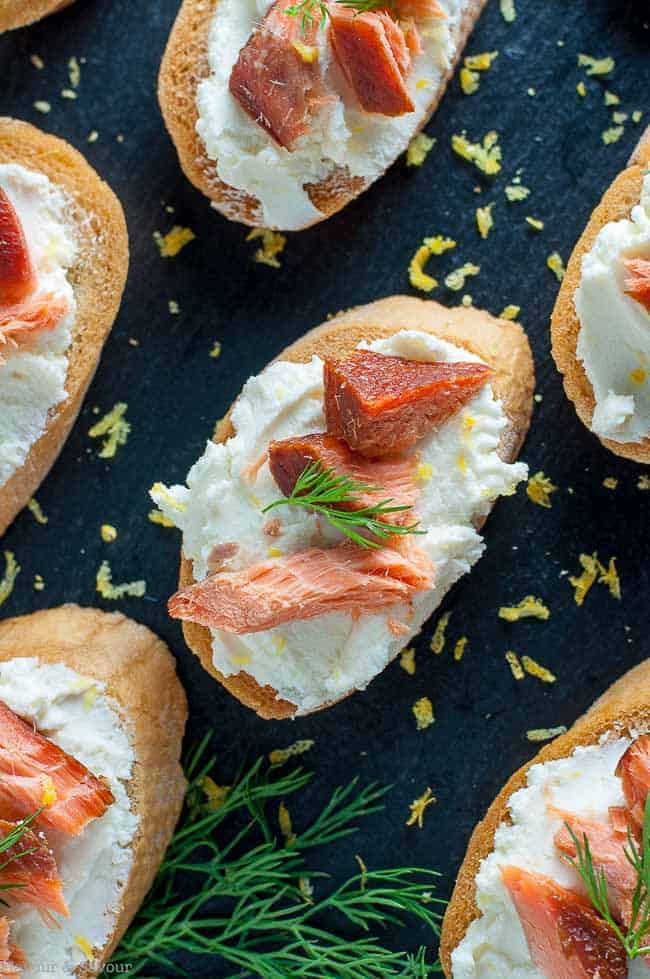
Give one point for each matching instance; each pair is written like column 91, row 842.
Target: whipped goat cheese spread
column 614, row 337
column 343, row 136
column 460, row 474
column 32, row 381
column 584, row 784
column 77, row 715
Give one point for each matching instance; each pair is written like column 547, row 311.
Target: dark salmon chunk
column 394, row 477
column 566, row 937
column 17, row 276
column 12, row 958
column 29, row 870
column 20, row 325
column 272, row 80
column 634, row 772
column 372, row 52
column 637, row 280
column 345, row 578
column 35, row 773
column 381, row 405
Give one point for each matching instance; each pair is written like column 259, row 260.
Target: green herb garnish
column 258, row 904
column 310, row 10
column 322, row 491
column 13, row 837
column 595, row 883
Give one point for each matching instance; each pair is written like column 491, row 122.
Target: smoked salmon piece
column 634, row 772
column 419, row 9
column 566, row 937
column 637, row 280
column 29, row 869
column 35, row 773
column 17, row 276
column 22, row 323
column 381, row 404
column 372, row 52
column 12, row 958
column 345, row 578
column 274, row 80
column 393, row 477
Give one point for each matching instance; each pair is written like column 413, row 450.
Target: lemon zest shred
column 174, row 241
column 508, row 10
column 510, row 312
column 216, row 795
column 535, row 669
column 115, row 426
column 610, row 578
column 407, row 660
column 161, row 490
column 108, row 533
column 555, row 263
column 306, row 52
column 423, row 713
column 515, row 666
column 273, row 244
column 643, row 483
column 35, row 509
column 485, row 155
column 470, row 81
column 484, row 220
column 418, row 149
column 539, row 489
column 418, row 808
column 610, row 482
column 528, row 608
column 85, row 946
column 545, row 733
column 610, row 98
column 638, row 375
column 535, row 223
column 456, row 279
column 7, row 582
column 285, row 824
column 424, row 472
column 158, row 517
column 581, row 89
column 459, row 648
column 106, row 588
column 281, row 755
column 435, row 245
column 596, row 66
column 516, row 192
column 612, row 135
column 481, row 62
column 50, row 795
column 439, row 638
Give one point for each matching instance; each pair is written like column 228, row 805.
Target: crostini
column 342, row 497
column 63, row 264
column 520, row 906
column 91, row 723
column 283, row 112
column 20, row 13
column 601, row 322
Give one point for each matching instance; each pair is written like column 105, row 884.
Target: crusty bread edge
column 500, row 343
column 616, row 205
column 140, row 674
column 98, row 278
column 183, row 68
column 623, row 707
column 20, row 13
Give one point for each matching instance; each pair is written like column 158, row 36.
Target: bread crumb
column 173, row 307
column 115, row 426
column 459, row 648
column 610, row 483
column 439, row 638
column 555, row 263
column 456, row 279
column 158, row 517
column 596, row 66
column 281, row 755
column 484, row 220
column 216, row 349
column 510, row 312
column 42, row 106
column 533, row 668
column 37, row 61
column 612, row 135
column 273, row 244
column 528, row 608
column 106, row 588
column 515, row 666
column 516, row 193
column 34, row 508
column 171, row 244
column 539, row 489
column 39, row 584
column 423, row 713
column 609, row 98
column 545, row 733
column 435, row 245
column 108, row 533
column 535, row 223
column 485, row 155
column 418, row 149
column 508, row 10
column 418, row 808
column 407, row 660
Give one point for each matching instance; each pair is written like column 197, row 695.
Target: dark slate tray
column 176, row 392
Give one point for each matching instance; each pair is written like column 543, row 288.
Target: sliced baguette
column 501, row 343
column 140, row 674
column 623, row 707
column 98, row 278
column 20, row 13
column 616, row 205
column 183, row 68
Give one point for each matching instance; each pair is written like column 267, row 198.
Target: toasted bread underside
column 140, row 674
column 622, row 196
column 501, row 343
column 20, row 13
column 624, row 706
column 97, row 277
column 183, row 68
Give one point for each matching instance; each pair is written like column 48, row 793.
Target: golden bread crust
column 20, row 13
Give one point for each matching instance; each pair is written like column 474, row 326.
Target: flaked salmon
column 274, row 80
column 35, row 773
column 22, row 323
column 345, row 578
column 372, row 52
column 419, row 9
column 380, row 404
column 634, row 772
column 566, row 938
column 637, row 280
column 393, row 477
column 29, row 870
column 17, row 276
column 12, row 958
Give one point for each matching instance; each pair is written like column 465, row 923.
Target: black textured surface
column 175, row 392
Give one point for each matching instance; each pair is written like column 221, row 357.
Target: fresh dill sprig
column 249, row 902
column 310, row 10
column 12, row 839
column 322, row 491
column 595, row 881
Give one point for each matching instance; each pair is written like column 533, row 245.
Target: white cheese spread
column 614, row 337
column 313, row 662
column 32, row 382
column 343, row 136
column 76, row 714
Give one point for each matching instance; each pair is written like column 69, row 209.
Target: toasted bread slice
column 625, row 706
column 139, row 673
column 97, row 277
column 502, row 344
column 616, row 205
column 183, row 68
column 20, row 13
